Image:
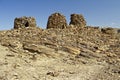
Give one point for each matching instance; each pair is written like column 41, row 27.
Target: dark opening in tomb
column 119, row 31
column 27, row 24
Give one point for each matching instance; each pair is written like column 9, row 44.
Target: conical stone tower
column 56, row 20
column 77, row 20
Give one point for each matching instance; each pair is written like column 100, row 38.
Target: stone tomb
column 24, row 22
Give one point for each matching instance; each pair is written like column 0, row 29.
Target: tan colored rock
column 72, row 50
column 77, row 20
column 24, row 21
column 53, row 73
column 108, row 30
column 37, row 48
column 56, row 20
column 12, row 43
column 111, row 54
column 104, row 47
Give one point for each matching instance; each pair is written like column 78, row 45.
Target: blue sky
column 96, row 12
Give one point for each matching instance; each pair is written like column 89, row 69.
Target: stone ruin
column 78, row 20
column 108, row 30
column 24, row 22
column 56, row 20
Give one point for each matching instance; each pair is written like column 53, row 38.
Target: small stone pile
column 24, row 21
column 56, row 20
column 108, row 30
column 77, row 20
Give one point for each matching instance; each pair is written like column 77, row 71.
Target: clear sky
column 96, row 12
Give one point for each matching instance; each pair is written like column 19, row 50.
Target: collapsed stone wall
column 24, row 21
column 77, row 20
column 56, row 20
column 109, row 30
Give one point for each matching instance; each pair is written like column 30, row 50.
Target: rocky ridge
column 72, row 45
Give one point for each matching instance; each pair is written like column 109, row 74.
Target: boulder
column 56, row 20
column 77, row 20
column 24, row 22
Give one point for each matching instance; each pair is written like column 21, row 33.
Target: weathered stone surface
column 59, row 54
column 37, row 48
column 24, row 21
column 77, row 20
column 53, row 73
column 56, row 20
column 109, row 30
column 72, row 50
column 118, row 31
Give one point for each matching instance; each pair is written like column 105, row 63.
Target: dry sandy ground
column 60, row 66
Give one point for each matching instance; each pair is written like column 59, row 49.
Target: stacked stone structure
column 56, row 20
column 24, row 22
column 77, row 20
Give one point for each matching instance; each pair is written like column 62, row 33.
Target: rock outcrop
column 56, row 20
column 23, row 22
column 77, row 20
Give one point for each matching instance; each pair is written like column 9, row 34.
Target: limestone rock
column 37, row 48
column 12, row 43
column 56, row 20
column 104, row 47
column 108, row 30
column 72, row 50
column 77, row 20
column 24, row 21
column 53, row 73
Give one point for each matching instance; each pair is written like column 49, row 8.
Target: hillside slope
column 73, row 53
